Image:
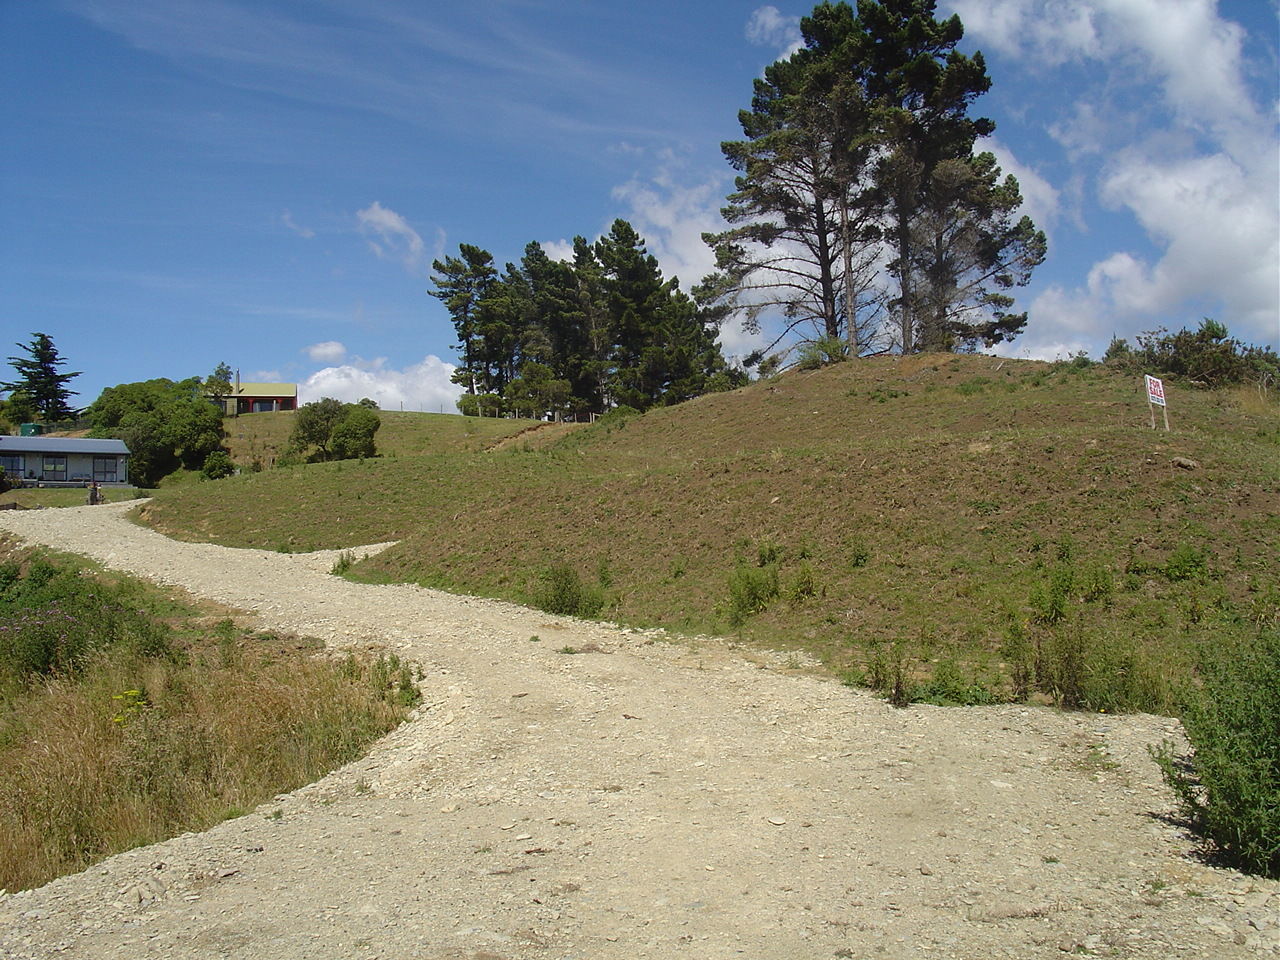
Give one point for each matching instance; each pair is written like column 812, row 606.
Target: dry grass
column 126, row 749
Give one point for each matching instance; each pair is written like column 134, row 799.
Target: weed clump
column 751, row 590
column 561, row 591
column 1230, row 788
column 124, row 720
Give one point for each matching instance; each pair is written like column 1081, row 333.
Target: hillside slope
column 263, row 437
column 644, row 800
column 976, row 510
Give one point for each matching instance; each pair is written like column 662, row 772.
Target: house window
column 11, row 463
column 55, row 468
column 104, row 469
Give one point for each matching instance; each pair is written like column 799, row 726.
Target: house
column 64, row 460
column 259, row 398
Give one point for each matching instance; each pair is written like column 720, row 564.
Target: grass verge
column 125, row 718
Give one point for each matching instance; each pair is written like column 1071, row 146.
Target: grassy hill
column 264, row 436
column 973, row 526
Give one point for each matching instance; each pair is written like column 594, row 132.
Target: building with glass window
column 64, row 460
column 258, row 398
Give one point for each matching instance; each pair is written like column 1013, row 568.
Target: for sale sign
column 1155, row 391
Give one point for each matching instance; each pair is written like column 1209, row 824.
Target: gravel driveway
column 645, row 798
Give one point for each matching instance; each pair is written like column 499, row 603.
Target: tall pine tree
column 860, row 151
column 40, row 384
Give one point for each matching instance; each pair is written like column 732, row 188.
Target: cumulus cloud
column 1040, row 199
column 767, row 27
column 1171, row 135
column 390, row 237
column 672, row 208
column 559, row 249
column 331, row 351
column 422, row 386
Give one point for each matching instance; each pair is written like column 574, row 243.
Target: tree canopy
column 40, row 387
column 328, row 429
column 861, row 212
column 167, row 425
column 548, row 336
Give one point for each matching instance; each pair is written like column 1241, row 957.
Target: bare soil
column 646, row 797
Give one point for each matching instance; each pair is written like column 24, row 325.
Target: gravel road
column 647, row 798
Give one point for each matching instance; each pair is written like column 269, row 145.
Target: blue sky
column 266, row 182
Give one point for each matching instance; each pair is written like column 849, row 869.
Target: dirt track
column 645, row 799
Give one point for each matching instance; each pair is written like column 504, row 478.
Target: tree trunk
column 830, row 320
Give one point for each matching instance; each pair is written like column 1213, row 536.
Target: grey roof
column 61, row 445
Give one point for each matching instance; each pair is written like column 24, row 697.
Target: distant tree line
column 577, row 338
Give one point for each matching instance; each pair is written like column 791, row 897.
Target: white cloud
column 305, row 232
column 331, row 351
column 559, row 249
column 1170, row 134
column 1063, row 322
column 1040, row 199
column 672, row 214
column 423, row 386
column 390, row 236
column 767, row 27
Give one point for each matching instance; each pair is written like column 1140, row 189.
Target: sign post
column 1155, row 398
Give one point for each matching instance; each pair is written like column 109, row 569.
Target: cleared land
column 958, row 507
column 644, row 799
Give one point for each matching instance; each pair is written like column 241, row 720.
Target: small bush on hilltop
column 1208, row 354
column 217, row 465
column 336, row 431
column 1230, row 788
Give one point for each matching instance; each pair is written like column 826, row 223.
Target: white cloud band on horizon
column 424, row 386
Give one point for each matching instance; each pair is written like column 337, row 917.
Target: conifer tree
column 859, row 153
column 40, row 384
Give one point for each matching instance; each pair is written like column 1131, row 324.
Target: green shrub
column 948, row 686
column 1187, row 562
column 1230, row 790
column 751, row 590
column 820, row 353
column 804, row 586
column 859, row 552
column 1209, row 355
column 971, row 388
column 480, row 404
column 52, row 620
column 1049, row 600
column 561, row 591
column 217, row 465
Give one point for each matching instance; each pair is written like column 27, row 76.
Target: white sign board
column 1155, row 390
